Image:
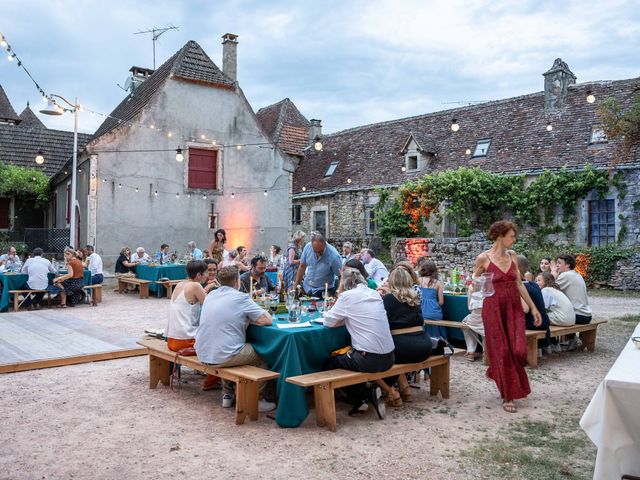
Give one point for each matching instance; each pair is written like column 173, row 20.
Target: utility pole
column 155, row 34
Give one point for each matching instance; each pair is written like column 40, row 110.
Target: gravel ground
column 100, row 421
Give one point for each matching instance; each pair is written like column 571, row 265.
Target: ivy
column 392, row 219
column 24, row 181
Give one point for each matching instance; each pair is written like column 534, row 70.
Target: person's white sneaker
column 573, row 345
column 264, row 406
column 228, row 400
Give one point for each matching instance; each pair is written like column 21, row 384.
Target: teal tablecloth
column 156, row 272
column 455, row 308
column 295, row 352
column 17, row 281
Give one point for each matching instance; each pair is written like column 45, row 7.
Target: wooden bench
column 26, row 294
column 246, row 377
column 587, row 333
column 169, row 284
column 143, row 284
column 95, row 291
column 324, row 384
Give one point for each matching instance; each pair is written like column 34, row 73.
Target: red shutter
column 5, row 204
column 202, row 168
column 68, row 204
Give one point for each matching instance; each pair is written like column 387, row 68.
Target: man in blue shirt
column 320, row 263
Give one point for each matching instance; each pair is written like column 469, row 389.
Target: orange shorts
column 175, row 344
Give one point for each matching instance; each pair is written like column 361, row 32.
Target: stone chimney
column 138, row 76
column 230, row 56
column 556, row 83
column 315, row 130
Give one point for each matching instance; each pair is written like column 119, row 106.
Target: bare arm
column 537, row 318
column 440, row 294
column 299, row 274
column 482, row 263
column 263, row 320
column 292, row 257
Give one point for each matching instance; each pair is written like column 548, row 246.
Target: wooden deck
column 42, row 339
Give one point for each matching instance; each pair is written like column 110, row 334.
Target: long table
column 455, row 308
column 17, row 280
column 153, row 273
column 292, row 352
column 612, row 419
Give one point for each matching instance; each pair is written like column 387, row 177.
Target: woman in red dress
column 503, row 316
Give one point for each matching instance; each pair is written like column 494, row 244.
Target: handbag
column 184, row 352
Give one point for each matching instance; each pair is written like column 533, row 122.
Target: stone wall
column 626, row 274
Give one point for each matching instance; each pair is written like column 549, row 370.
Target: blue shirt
column 320, row 271
column 196, row 254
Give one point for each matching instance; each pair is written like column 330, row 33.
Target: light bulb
column 203, row 137
column 468, row 151
column 119, row 185
column 549, row 127
column 3, row 43
column 454, row 125
column 137, row 189
column 179, row 155
column 204, row 196
column 266, row 193
column 104, row 180
column 591, row 97
column 403, row 168
column 169, row 134
column 177, row 195
column 304, row 189
column 318, row 146
column 239, row 147
column 39, row 158
column 152, row 127
column 233, row 195
column 348, row 180
column 10, row 57
column 155, row 193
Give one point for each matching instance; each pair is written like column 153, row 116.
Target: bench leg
column 94, row 298
column 158, row 371
column 169, row 291
column 326, row 405
column 317, row 397
column 246, row 400
column 16, row 302
column 589, row 340
column 97, row 295
column 439, row 380
column 144, row 290
column 532, row 351
column 121, row 286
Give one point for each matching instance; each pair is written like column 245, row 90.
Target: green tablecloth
column 156, row 272
column 17, row 281
column 455, row 308
column 295, row 352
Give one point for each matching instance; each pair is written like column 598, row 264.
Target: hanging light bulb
column 239, row 147
column 304, row 189
column 79, row 170
column 179, row 155
column 213, row 142
column 3, row 43
column 104, row 180
column 549, row 127
column 137, row 189
column 468, row 151
column 169, row 134
column 403, row 168
column 155, row 194
column 39, row 157
column 317, row 145
column 204, row 196
column 178, row 196
column 590, row 97
column 119, row 185
column 11, row 55
column 233, row 195
column 455, row 126
column 152, row 126
column 203, row 137
column 266, row 193
column 348, row 180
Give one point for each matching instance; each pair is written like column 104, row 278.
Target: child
column 474, row 322
column 432, row 297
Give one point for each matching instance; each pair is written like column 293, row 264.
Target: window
column 296, row 215
column 319, row 221
column 331, row 169
column 412, row 162
column 203, row 168
column 482, row 147
column 5, row 205
column 602, row 222
column 370, row 219
column 598, row 135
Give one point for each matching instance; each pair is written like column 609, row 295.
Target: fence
column 51, row 240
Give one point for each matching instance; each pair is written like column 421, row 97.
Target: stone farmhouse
column 334, row 190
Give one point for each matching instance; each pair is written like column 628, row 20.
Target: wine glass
column 320, row 306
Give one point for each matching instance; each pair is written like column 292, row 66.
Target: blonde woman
column 412, row 344
column 292, row 258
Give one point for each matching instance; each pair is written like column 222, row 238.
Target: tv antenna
column 155, row 34
column 465, row 102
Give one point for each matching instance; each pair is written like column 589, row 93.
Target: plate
column 308, row 299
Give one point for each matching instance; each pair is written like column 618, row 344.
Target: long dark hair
column 224, row 235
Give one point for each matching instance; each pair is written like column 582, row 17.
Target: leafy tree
column 24, row 182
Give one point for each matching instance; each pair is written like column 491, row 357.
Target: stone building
column 334, row 190
column 182, row 155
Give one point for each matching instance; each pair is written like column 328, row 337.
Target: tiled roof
column 370, row 155
column 29, row 119
column 19, row 145
column 190, row 63
column 286, row 126
column 6, row 109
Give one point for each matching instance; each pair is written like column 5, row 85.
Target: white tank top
column 184, row 319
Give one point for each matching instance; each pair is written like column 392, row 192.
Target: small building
column 182, row 155
column 334, row 190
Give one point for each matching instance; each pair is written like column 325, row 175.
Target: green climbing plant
column 24, row 182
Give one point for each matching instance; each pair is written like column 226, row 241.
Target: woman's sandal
column 470, row 356
column 396, row 399
column 62, row 305
column 509, row 407
column 406, row 394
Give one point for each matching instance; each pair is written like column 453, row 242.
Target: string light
column 179, row 155
column 591, row 98
column 40, row 157
column 204, row 196
column 266, row 193
column 104, row 180
column 155, row 194
column 239, row 147
column 455, row 126
column 178, row 196
column 137, row 189
column 468, row 151
column 549, row 127
column 119, row 185
column 233, row 195
column 348, row 180
column 403, row 168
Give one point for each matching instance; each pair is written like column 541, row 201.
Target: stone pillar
column 556, row 83
column 230, row 56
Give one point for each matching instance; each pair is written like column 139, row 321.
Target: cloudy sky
column 348, row 63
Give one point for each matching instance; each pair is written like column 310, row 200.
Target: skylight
column 482, row 147
column 331, row 169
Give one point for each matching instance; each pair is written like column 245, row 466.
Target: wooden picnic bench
column 325, row 383
column 17, row 303
column 246, row 377
column 139, row 282
column 95, row 292
column 169, row 284
column 587, row 333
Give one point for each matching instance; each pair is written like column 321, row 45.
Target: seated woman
column 432, row 297
column 358, row 265
column 362, row 311
column 70, row 284
column 412, row 344
column 475, row 324
column 210, row 281
column 124, row 267
column 559, row 307
column 536, row 296
column 184, row 314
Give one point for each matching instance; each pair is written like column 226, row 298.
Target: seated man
column 241, row 261
column 163, row 255
column 222, row 334
column 38, row 269
column 375, row 268
column 347, row 252
column 194, row 251
column 95, row 266
column 256, row 276
column 140, row 257
column 320, row 263
column 10, row 261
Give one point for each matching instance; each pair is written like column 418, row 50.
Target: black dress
column 536, row 296
column 410, row 347
column 120, row 268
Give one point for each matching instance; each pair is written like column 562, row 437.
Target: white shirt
column 95, row 264
column 183, row 319
column 38, row 269
column 137, row 259
column 572, row 285
column 560, row 310
column 362, row 311
column 225, row 316
column 376, row 270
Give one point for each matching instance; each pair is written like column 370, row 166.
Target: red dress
column 505, row 339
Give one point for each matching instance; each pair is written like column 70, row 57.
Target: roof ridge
column 6, row 109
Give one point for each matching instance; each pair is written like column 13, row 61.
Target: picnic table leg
column 532, row 351
column 326, row 401
column 439, row 380
column 158, row 371
column 144, row 290
column 589, row 340
column 121, row 286
column 16, row 302
column 242, row 408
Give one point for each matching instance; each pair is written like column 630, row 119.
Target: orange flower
column 582, row 264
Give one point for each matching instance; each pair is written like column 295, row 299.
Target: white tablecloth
column 612, row 419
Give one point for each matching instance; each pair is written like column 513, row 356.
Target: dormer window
column 331, row 169
column 482, row 148
column 411, row 162
column 598, row 135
